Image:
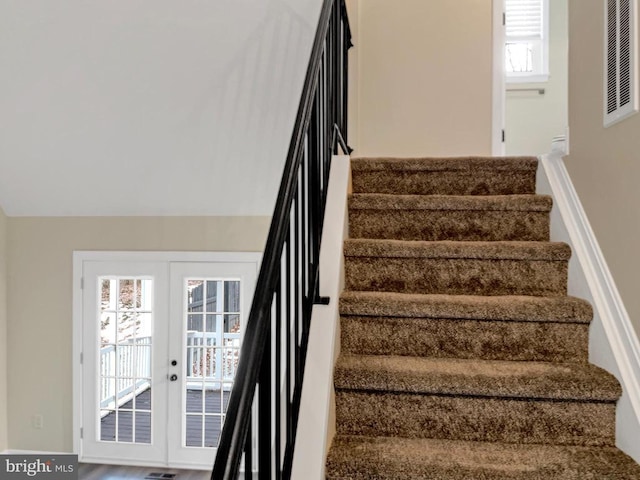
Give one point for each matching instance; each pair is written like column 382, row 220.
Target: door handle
column 173, row 377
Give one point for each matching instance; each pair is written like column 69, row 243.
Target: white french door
column 160, row 344
column 206, row 312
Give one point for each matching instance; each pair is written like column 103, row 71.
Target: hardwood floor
column 89, row 471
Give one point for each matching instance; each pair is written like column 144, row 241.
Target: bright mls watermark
column 50, row 467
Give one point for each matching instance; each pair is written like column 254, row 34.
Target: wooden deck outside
column 196, row 409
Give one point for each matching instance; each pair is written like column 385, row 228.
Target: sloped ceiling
column 148, row 107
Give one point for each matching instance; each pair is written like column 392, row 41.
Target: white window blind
column 524, row 18
column 526, row 40
column 620, row 86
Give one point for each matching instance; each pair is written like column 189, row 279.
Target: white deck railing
column 208, row 367
column 125, row 371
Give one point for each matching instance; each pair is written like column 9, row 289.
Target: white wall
column 39, row 307
column 193, row 100
column 3, row 332
column 532, row 120
column 425, row 77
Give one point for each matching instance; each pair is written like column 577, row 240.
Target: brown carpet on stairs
column 462, row 357
column 444, row 217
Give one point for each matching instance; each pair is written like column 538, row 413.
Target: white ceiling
column 148, row 107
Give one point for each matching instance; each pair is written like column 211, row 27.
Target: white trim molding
column 499, row 78
column 33, row 452
column 613, row 343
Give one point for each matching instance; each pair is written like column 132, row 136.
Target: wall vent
column 621, row 76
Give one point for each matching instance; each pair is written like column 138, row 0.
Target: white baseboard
column 33, row 452
column 613, row 343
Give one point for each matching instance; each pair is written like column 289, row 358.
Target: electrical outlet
column 37, row 421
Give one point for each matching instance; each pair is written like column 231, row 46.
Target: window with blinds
column 620, row 86
column 527, row 40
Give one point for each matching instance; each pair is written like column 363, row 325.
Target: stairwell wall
column 353, row 107
column 425, row 77
column 603, row 164
column 40, row 253
column 3, row 332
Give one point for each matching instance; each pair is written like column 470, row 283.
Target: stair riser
column 357, row 458
column 456, row 276
column 487, row 182
column 434, row 225
column 487, row 340
column 475, row 419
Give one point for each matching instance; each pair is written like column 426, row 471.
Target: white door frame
column 498, row 94
column 79, row 257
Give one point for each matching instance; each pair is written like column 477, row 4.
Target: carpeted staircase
column 462, row 356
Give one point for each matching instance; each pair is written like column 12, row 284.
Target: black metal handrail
column 287, row 286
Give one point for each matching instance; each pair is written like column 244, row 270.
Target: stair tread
column 453, row 252
column 470, row 307
column 503, row 250
column 486, row 378
column 382, row 201
column 443, row 163
column 360, row 457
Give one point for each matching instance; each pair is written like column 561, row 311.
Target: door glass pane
column 213, row 427
column 232, row 324
column 213, row 297
column 212, row 327
column 125, row 319
column 108, row 425
column 126, row 293
column 230, row 358
column 108, row 329
column 144, row 328
column 195, row 290
column 212, row 349
column 194, row 322
column 143, row 427
column 125, row 425
column 107, row 392
column 232, row 295
column 231, row 350
column 226, row 394
column 194, row 431
column 212, row 400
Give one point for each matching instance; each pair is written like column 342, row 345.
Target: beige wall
column 353, row 9
column 3, row 332
column 532, row 120
column 40, row 293
column 425, row 77
column 605, row 162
